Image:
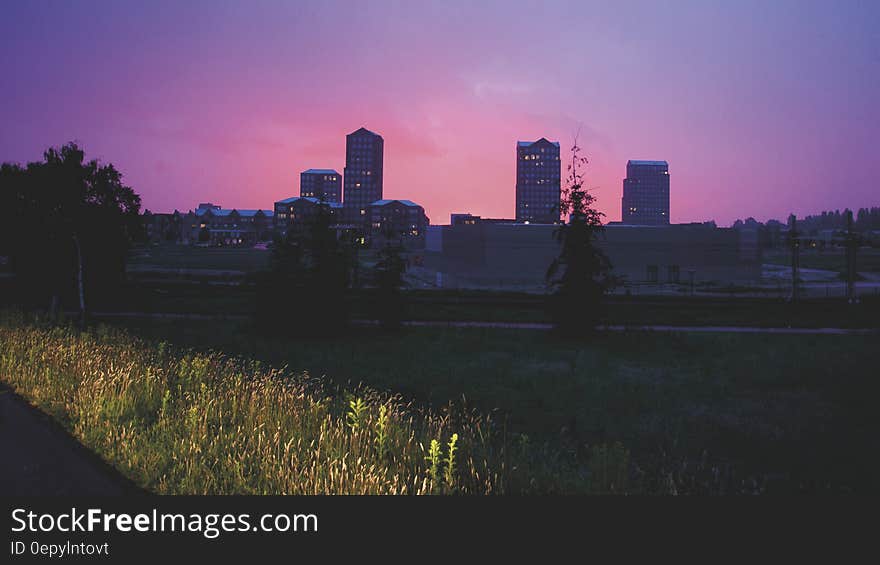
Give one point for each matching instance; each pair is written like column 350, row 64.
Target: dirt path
column 40, row 458
column 519, row 325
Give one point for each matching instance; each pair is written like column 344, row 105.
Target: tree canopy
column 68, row 226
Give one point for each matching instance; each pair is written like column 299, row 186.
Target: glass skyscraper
column 538, row 176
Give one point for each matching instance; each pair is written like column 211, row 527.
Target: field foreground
column 187, row 422
column 627, row 413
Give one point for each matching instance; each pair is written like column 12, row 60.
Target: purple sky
column 761, row 107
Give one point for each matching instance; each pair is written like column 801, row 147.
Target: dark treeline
column 68, row 224
column 303, row 292
column 865, row 219
column 772, row 233
column 314, row 274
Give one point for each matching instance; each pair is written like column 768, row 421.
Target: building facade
column 297, row 212
column 398, row 222
column 323, row 184
column 514, row 255
column 364, row 153
column 646, row 193
column 163, row 227
column 538, row 178
column 217, row 226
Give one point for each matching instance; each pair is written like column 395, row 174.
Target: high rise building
column 323, row 184
column 646, row 193
column 363, row 173
column 538, row 175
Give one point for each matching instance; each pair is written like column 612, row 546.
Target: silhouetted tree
column 68, row 227
column 580, row 275
column 388, row 277
column 305, row 290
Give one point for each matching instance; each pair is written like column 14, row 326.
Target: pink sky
column 760, row 109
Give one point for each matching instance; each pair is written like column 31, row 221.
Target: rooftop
column 219, row 212
column 389, row 201
column 364, row 130
column 311, row 199
column 321, row 172
column 530, row 143
column 248, row 213
column 647, row 163
column 293, row 199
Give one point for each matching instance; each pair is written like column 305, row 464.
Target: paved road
column 518, row 325
column 38, row 457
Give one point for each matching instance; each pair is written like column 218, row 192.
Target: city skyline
column 231, row 104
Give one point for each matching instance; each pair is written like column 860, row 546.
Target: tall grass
column 206, row 423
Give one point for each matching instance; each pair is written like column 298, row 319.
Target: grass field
column 501, row 307
column 789, row 412
column 205, row 423
column 169, row 256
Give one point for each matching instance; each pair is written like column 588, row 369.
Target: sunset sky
column 761, row 107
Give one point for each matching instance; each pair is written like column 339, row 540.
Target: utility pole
column 794, row 243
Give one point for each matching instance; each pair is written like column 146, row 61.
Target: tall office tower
column 538, row 175
column 363, row 173
column 323, row 184
column 646, row 193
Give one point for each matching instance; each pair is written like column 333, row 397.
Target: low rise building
column 397, row 221
column 323, row 184
column 298, row 212
column 505, row 255
column 218, row 226
column 163, row 227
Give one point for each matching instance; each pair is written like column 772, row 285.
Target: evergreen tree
column 388, row 276
column 580, row 275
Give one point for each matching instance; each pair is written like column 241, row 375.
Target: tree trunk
column 79, row 281
column 53, row 307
